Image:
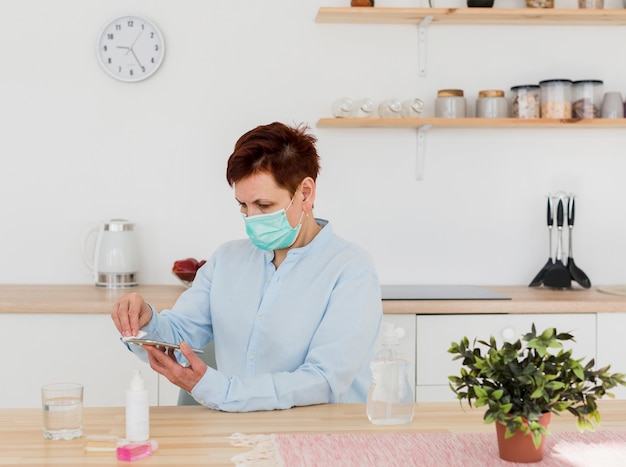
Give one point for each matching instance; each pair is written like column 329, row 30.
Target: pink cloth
column 571, row 449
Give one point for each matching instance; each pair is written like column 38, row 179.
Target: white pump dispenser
column 390, row 398
column 137, row 410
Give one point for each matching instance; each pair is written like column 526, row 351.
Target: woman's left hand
column 165, row 363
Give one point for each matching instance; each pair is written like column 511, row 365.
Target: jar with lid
column 390, row 108
column 492, row 104
column 540, row 3
column 556, row 98
column 587, row 98
column 526, row 101
column 450, row 103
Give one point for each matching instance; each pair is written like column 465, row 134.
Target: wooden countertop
column 92, row 299
column 195, row 435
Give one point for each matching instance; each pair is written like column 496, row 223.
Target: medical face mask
column 272, row 231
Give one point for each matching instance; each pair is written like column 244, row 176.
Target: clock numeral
column 110, row 36
column 156, row 47
column 130, row 23
column 131, row 72
column 118, row 27
column 143, row 69
column 152, row 35
column 119, row 69
column 105, row 48
column 152, row 60
column 109, row 61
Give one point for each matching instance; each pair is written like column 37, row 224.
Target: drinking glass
column 62, row 406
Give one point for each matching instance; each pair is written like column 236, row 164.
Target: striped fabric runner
column 571, row 449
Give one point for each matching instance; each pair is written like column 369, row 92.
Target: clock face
column 131, row 48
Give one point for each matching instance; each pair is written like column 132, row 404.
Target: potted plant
column 519, row 383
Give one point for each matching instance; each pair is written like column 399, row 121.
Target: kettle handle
column 89, row 247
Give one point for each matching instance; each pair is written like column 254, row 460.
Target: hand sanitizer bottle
column 390, row 397
column 137, row 410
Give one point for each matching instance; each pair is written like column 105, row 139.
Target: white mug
column 612, row 105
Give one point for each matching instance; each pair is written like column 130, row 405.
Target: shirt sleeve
column 340, row 350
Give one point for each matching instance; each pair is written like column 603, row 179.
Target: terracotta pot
column 520, row 447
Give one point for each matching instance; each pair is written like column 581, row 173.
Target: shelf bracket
column 421, row 36
column 421, row 152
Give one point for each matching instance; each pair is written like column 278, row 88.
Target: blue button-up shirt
column 301, row 334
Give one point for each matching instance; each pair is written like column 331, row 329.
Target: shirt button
column 260, row 315
column 201, row 401
column 251, row 357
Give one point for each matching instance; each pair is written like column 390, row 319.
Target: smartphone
column 166, row 345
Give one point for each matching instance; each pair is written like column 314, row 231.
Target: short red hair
column 287, row 153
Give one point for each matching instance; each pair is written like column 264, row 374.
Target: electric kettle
column 113, row 256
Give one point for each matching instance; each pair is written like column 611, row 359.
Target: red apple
column 186, row 269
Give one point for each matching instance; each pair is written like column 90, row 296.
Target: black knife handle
column 559, row 213
column 550, row 212
column 570, row 211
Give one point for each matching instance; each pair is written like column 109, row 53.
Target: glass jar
column 556, row 98
column 540, row 3
column 587, row 98
column 599, row 4
column 364, row 108
column 342, row 108
column 526, row 101
column 412, row 108
column 492, row 104
column 450, row 103
column 390, row 108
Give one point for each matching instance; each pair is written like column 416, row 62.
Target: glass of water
column 62, row 405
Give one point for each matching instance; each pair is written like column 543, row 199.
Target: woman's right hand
column 130, row 313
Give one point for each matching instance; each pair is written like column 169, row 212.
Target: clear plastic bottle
column 390, row 397
column 137, row 410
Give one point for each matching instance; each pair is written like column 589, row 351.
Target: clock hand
column 135, row 55
column 136, row 38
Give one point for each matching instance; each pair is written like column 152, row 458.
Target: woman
column 294, row 310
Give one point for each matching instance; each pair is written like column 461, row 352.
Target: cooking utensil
column 538, row 280
column 558, row 275
column 575, row 272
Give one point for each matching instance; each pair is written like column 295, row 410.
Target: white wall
column 77, row 146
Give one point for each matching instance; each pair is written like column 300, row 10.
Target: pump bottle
column 390, row 397
column 137, row 410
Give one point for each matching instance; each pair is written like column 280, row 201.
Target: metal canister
column 450, row 103
column 492, row 104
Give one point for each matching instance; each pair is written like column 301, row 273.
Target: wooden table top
column 91, row 299
column 195, row 435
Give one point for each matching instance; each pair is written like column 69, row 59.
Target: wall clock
column 131, row 48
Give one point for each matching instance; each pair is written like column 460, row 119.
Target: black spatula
column 558, row 276
column 538, row 280
column 575, row 272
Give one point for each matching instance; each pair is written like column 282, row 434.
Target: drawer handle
column 508, row 334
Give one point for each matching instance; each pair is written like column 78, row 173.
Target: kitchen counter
column 195, row 435
column 90, row 299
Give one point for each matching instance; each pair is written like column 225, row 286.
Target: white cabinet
column 611, row 333
column 38, row 349
column 435, row 333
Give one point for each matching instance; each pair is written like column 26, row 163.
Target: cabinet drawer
column 435, row 333
column 611, row 331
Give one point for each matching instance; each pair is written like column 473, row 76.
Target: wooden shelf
column 493, row 16
column 470, row 123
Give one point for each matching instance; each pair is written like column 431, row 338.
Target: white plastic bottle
column 137, row 410
column 390, row 397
